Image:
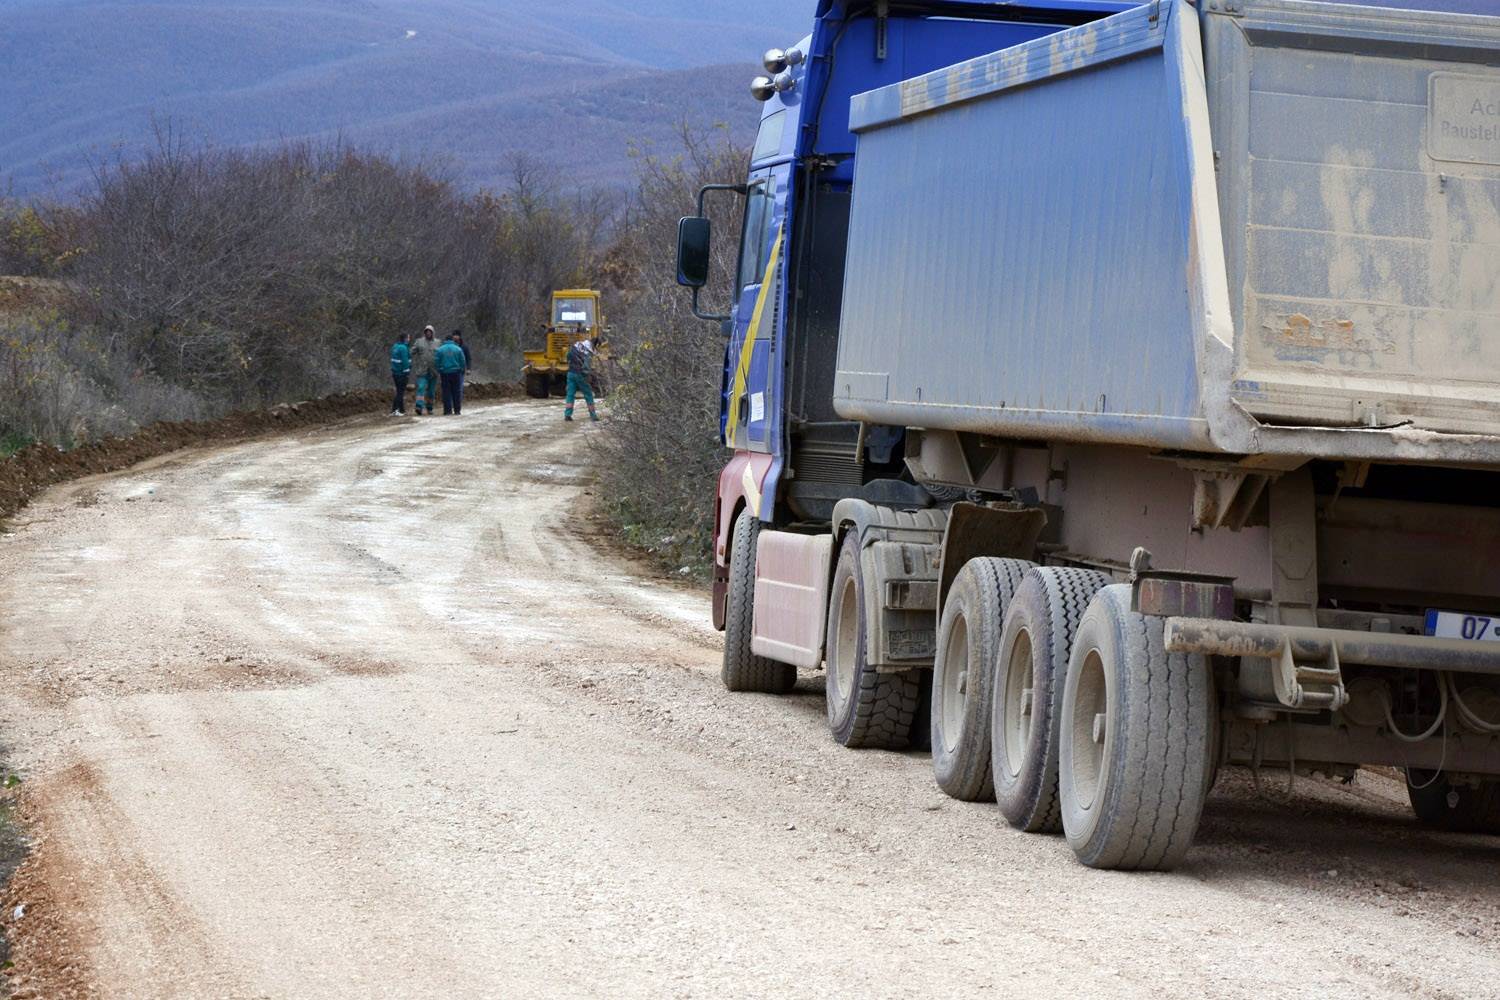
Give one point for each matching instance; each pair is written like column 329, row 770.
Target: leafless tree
column 661, row 455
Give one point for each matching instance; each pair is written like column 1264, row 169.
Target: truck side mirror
column 694, row 236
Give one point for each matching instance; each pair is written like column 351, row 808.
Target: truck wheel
column 536, row 385
column 557, row 384
column 1134, row 740
column 1471, row 808
column 963, row 672
column 743, row 670
column 865, row 708
column 1029, row 673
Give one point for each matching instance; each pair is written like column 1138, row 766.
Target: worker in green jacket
column 580, row 376
column 451, row 362
column 400, row 372
column 423, row 366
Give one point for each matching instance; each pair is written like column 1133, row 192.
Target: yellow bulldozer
column 576, row 315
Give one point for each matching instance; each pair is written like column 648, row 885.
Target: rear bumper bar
column 1376, row 649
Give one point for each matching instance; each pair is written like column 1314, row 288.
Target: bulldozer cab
column 575, row 310
column 576, row 315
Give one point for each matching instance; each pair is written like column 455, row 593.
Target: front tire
column 866, row 708
column 1029, row 675
column 742, row 669
column 963, row 675
column 1135, row 740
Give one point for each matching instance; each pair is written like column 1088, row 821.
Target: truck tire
column 536, row 385
column 743, row 670
column 1031, row 667
column 1134, row 740
column 865, row 708
column 963, row 675
column 1473, row 809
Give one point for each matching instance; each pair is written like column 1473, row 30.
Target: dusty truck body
column 1185, row 323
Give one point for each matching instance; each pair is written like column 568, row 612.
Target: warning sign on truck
column 1463, row 118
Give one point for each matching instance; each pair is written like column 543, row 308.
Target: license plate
column 1457, row 625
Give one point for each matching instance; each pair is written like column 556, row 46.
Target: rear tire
column 963, row 674
column 866, row 708
column 1474, row 808
column 1134, row 740
column 743, row 670
column 1030, row 671
column 536, row 385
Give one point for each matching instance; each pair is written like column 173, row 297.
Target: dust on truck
column 1114, row 394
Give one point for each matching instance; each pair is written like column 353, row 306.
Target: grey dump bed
column 1259, row 227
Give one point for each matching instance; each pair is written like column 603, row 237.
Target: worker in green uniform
column 424, row 367
column 400, row 372
column 451, row 362
column 580, row 368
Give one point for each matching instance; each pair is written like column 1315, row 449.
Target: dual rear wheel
column 1049, row 695
column 1135, row 746
column 1089, row 726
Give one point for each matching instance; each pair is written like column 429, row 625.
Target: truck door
column 748, row 409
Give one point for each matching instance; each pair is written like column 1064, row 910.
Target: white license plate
column 1457, row 625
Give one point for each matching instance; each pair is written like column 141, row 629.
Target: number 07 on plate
column 1457, row 625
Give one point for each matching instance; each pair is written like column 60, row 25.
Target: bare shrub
column 63, row 384
column 660, row 454
column 207, row 280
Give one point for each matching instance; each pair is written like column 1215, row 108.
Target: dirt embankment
column 39, row 466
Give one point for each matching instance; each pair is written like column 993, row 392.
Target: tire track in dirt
column 378, row 711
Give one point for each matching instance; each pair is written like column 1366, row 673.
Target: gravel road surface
column 378, row 711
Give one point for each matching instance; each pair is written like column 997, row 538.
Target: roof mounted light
column 776, row 60
column 784, row 81
column 762, row 88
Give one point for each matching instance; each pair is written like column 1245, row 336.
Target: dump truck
column 1112, row 393
column 576, row 315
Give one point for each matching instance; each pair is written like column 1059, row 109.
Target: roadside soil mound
column 39, row 466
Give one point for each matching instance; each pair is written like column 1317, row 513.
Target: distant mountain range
column 576, row 82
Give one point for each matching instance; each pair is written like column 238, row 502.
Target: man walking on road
column 450, row 362
column 423, row 365
column 580, row 367
column 400, row 372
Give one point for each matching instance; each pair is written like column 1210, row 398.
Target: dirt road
column 372, row 712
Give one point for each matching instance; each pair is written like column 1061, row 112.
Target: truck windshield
column 579, row 311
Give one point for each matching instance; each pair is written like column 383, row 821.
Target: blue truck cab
column 793, row 457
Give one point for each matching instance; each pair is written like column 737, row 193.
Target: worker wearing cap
column 424, row 367
column 580, row 368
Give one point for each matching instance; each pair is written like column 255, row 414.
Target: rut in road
column 378, row 710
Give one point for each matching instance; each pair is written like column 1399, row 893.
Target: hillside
column 467, row 80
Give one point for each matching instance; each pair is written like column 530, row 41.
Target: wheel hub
column 1019, row 687
column 955, row 682
column 1090, row 729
